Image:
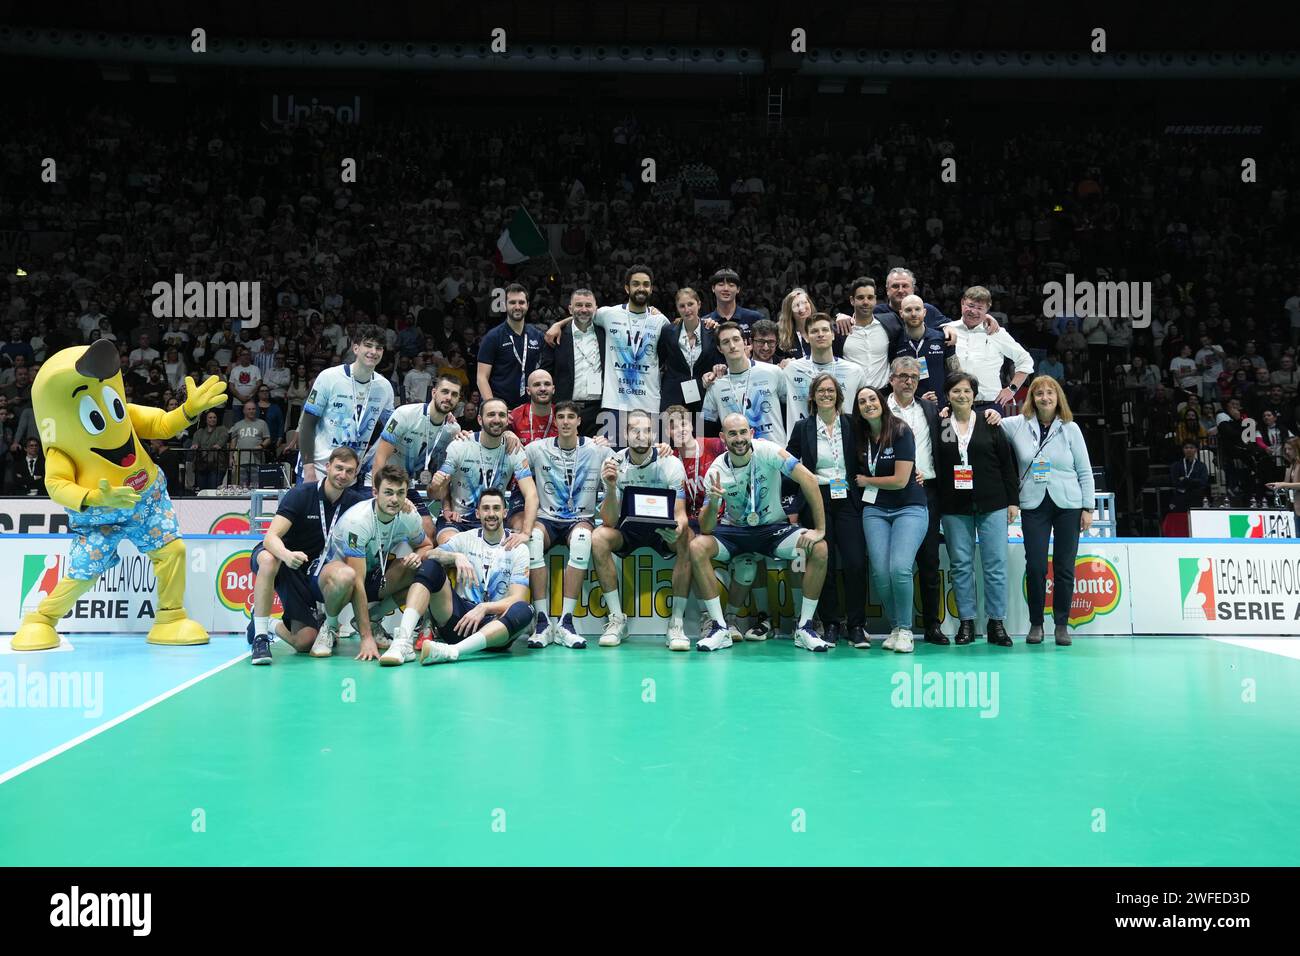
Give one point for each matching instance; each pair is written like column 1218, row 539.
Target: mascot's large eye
column 116, row 409
column 92, row 419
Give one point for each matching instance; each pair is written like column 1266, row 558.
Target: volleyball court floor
column 1115, row 751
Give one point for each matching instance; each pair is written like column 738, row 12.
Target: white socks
column 714, row 606
column 808, row 610
column 679, row 608
column 539, row 607
column 570, row 603
column 614, row 603
column 261, row 626
column 410, row 621
column 475, row 642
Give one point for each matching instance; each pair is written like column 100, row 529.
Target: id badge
column 963, row 477
column 1040, row 469
column 925, row 367
column 839, row 489
column 869, row 494
column 690, row 391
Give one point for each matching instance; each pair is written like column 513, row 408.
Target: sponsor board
column 1256, row 523
column 1247, row 588
column 234, row 585
column 195, row 516
column 1098, row 588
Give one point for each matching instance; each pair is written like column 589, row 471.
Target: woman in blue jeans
column 1056, row 499
column 975, row 470
column 895, row 517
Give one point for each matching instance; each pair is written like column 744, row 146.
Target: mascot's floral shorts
column 149, row 525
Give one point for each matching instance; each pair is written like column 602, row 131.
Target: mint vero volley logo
column 1196, row 581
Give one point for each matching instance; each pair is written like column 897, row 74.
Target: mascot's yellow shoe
column 175, row 627
column 35, row 636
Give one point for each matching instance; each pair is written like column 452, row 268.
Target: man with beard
column 486, row 610
column 926, row 346
column 535, row 419
column 568, row 471
column 477, row 463
column 287, row 561
column 577, row 361
column 639, row 346
column 422, row 434
column 509, row 352
column 748, row 478
column 641, row 466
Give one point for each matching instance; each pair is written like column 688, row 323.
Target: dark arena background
column 1092, row 210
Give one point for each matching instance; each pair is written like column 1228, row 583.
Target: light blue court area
column 50, row 698
column 1117, row 751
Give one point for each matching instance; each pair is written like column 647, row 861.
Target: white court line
column 1282, row 646
column 49, row 754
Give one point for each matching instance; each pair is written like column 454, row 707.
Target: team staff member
column 725, row 284
column 287, row 560
column 1057, row 495
column 576, row 361
column 927, row 347
column 509, row 352
column 535, row 419
column 699, row 350
column 980, row 353
column 978, row 492
column 826, row 445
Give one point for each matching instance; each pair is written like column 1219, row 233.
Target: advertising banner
column 1224, row 523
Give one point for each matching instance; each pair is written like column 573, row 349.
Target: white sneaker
column 736, row 633
column 806, row 638
column 891, row 640
column 903, row 643
column 400, row 651
column 677, row 639
column 761, row 629
column 326, row 638
column 615, row 631
column 436, row 652
column 566, row 633
column 543, row 631
column 716, row 638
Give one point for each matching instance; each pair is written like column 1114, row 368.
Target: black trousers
column 846, row 551
column 1038, row 524
column 927, row 559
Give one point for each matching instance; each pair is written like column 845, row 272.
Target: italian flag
column 520, row 241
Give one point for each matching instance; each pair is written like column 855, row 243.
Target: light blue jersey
column 657, row 472
column 349, row 411
column 632, row 372
column 474, row 469
column 419, row 442
column 754, row 487
column 756, row 393
column 495, row 568
column 799, row 376
column 359, row 533
column 567, row 480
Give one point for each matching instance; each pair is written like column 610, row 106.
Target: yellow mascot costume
column 97, row 468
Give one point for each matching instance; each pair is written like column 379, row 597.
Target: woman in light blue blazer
column 1056, row 498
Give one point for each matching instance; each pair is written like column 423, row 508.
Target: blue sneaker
column 261, row 650
column 717, row 638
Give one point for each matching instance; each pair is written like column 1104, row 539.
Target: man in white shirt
column 245, row 377
column 416, row 384
column 868, row 339
column 980, row 354
column 144, row 353
column 576, row 361
column 1210, row 360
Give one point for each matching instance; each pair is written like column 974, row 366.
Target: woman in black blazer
column 979, row 488
column 825, row 444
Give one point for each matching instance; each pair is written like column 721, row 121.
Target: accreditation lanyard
column 532, row 424
column 1042, row 442
column 751, row 513
column 359, row 408
column 325, row 526
column 521, row 359
column 691, row 349
column 832, row 435
column 488, row 479
column 963, row 440
column 744, row 392
column 382, row 556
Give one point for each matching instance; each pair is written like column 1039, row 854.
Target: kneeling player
column 749, row 478
column 357, row 561
column 488, row 608
column 287, row 561
column 641, row 466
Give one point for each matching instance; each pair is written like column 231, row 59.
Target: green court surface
column 1116, row 751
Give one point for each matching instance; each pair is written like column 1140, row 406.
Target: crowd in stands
column 408, row 246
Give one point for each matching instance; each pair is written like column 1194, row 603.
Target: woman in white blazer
column 1056, row 498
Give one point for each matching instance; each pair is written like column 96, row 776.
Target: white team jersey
column 495, row 568
column 360, row 534
column 657, row 472
column 419, row 442
column 567, row 481
column 868, row 348
column 474, row 469
column 799, row 376
column 632, row 372
column 754, row 487
column 348, row 413
column 756, row 393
